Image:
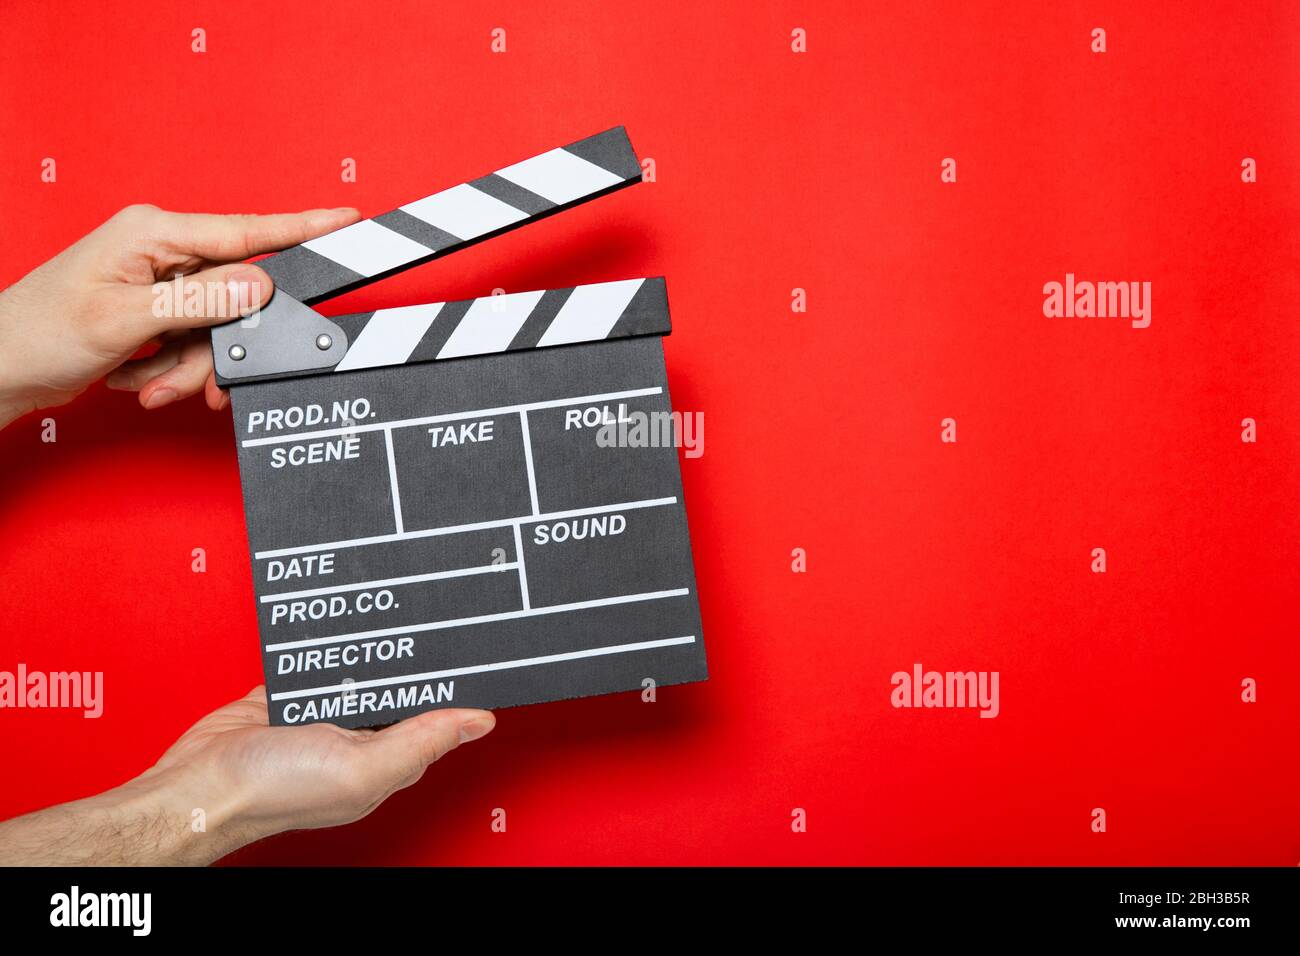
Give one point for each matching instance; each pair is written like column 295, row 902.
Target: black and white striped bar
column 504, row 323
column 457, row 217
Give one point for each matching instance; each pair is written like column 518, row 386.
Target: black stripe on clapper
column 647, row 313
column 611, row 150
column 417, row 230
column 539, row 320
column 301, row 273
column 444, row 323
column 512, row 195
column 352, row 324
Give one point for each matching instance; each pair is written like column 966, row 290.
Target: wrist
column 190, row 822
column 12, row 409
column 149, row 821
column 13, row 405
column 19, row 394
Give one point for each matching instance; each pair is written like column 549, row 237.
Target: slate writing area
column 453, row 534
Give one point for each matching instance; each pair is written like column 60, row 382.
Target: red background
column 775, row 170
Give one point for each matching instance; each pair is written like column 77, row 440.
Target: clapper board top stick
column 474, row 503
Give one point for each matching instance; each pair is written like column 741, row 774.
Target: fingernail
column 160, row 397
column 476, row 728
column 245, row 289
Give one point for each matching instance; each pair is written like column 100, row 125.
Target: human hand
column 84, row 313
column 248, row 780
column 255, row 780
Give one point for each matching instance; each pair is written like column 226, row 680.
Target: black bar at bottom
column 379, row 907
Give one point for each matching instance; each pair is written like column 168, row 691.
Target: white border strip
column 450, row 417
column 523, row 571
column 459, row 528
column 484, row 668
column 480, row 619
column 528, row 460
column 387, row 582
column 398, row 527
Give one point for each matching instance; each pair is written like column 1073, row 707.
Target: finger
column 131, row 376
column 210, row 297
column 227, row 238
column 185, row 378
column 404, row 750
column 216, row 397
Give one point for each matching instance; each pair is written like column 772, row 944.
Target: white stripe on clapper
column 560, row 176
column 390, row 337
column 490, row 324
column 367, row 248
column 464, row 211
column 590, row 312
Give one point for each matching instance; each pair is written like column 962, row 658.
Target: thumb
column 210, row 297
column 407, row 748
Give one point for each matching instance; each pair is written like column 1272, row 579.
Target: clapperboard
column 433, row 515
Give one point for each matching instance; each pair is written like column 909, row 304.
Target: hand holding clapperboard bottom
column 431, row 517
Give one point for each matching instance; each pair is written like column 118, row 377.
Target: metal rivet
column 323, row 342
column 237, row 352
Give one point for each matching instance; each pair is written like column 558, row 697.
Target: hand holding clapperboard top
column 432, row 519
